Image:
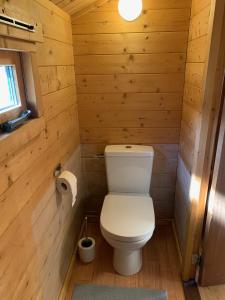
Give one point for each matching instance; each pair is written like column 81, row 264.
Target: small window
column 12, row 92
column 9, row 92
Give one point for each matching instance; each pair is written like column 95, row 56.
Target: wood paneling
column 136, row 83
column 53, row 78
column 206, row 132
column 131, row 63
column 130, row 135
column 130, row 79
column 52, row 52
column 212, row 292
column 150, row 21
column 199, row 24
column 38, row 228
column 135, row 118
column 132, row 43
column 192, row 108
column 211, row 271
column 78, row 6
column 131, row 101
column 150, row 4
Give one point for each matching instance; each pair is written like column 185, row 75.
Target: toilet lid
column 128, row 217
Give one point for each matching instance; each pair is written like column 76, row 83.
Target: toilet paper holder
column 58, row 170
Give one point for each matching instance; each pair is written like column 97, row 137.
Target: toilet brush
column 86, row 245
column 86, row 224
column 86, row 241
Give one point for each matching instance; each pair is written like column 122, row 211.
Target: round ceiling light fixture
column 130, row 9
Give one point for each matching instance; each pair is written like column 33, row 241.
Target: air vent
column 16, row 23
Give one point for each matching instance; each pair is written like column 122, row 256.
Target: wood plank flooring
column 212, row 292
column 161, row 268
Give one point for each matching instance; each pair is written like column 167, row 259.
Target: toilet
column 127, row 218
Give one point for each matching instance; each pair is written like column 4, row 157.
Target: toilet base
column 127, row 262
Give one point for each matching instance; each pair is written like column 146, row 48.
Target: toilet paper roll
column 66, row 184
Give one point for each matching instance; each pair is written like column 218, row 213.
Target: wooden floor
column 161, row 268
column 212, row 292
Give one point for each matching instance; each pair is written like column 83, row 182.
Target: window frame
column 14, row 58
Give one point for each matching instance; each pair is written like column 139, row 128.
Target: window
column 9, row 96
column 12, row 92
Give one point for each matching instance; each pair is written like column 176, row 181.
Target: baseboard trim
column 66, row 283
column 177, row 242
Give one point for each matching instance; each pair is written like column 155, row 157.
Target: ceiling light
column 130, row 9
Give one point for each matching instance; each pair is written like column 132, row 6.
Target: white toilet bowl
column 127, row 224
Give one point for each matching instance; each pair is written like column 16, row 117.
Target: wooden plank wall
column 130, row 78
column 77, row 6
column 38, row 228
column 192, row 106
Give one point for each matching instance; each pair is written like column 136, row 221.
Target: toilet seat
column 128, row 217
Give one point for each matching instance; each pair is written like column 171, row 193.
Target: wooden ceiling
column 78, row 7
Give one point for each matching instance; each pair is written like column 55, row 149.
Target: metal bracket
column 58, row 170
column 196, row 259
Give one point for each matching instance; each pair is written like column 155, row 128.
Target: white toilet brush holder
column 86, row 247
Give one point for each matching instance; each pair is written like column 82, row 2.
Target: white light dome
column 130, row 9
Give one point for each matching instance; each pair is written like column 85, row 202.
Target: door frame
column 205, row 136
column 220, row 145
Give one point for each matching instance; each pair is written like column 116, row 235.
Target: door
column 212, row 269
column 205, row 137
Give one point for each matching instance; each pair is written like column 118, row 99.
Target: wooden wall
column 77, row 6
column 38, row 227
column 192, row 106
column 130, row 78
